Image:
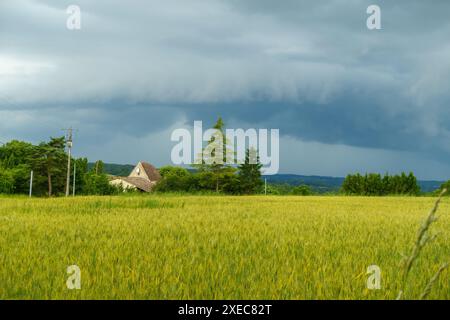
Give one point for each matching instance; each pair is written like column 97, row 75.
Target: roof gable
column 146, row 171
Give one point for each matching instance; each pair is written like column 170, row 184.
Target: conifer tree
column 250, row 172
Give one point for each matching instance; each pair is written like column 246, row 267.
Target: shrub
column 6, row 181
column 98, row 184
column 302, row 190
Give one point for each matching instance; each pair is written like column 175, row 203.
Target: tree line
column 48, row 161
column 373, row 184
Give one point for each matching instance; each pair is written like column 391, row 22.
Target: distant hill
column 329, row 184
column 429, row 185
column 320, row 184
column 122, row 170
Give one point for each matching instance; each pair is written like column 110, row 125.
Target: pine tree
column 214, row 157
column 250, row 172
column 49, row 159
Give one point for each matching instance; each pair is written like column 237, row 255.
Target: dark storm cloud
column 310, row 68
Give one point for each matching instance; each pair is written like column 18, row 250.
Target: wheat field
column 217, row 247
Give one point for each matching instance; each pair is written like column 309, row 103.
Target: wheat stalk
column 422, row 239
column 430, row 284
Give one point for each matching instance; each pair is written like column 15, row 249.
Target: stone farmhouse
column 143, row 177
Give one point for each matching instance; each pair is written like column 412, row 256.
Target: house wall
column 125, row 185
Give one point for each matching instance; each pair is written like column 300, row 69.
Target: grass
column 201, row 247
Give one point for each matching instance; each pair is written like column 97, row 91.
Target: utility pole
column 69, row 143
column 74, row 175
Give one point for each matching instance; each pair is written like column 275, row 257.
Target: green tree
column 21, row 175
column 173, row 179
column 98, row 184
column 15, row 153
column 213, row 159
column 49, row 159
column 413, row 187
column 230, row 183
column 173, row 171
column 372, row 184
column 15, row 156
column 6, row 181
column 249, row 173
column 81, row 165
column 353, row 184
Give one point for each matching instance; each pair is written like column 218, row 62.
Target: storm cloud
column 345, row 98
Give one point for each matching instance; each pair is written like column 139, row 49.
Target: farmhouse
column 143, row 177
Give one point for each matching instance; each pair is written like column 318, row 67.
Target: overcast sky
column 345, row 98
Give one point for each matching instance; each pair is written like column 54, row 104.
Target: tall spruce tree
column 250, row 172
column 213, row 159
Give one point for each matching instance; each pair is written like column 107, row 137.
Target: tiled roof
column 140, row 183
column 151, row 171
